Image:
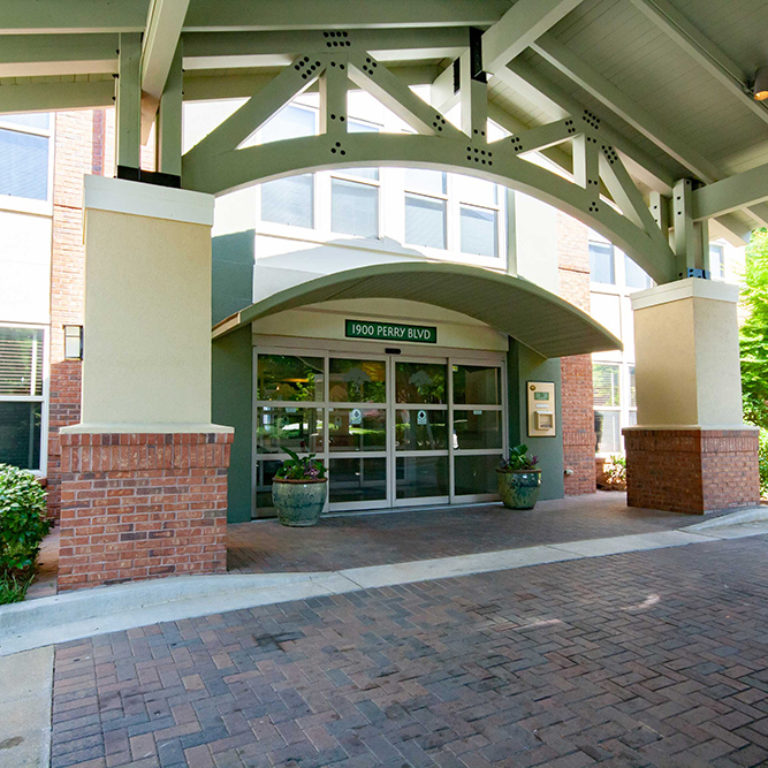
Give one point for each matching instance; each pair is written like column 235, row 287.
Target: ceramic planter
column 299, row 503
column 519, row 489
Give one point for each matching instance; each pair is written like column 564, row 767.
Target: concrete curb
column 88, row 612
column 751, row 515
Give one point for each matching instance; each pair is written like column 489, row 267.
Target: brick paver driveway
column 655, row 658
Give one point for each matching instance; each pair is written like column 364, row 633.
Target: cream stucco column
column 147, row 351
column 690, row 451
column 687, row 355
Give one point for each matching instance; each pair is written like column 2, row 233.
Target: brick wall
column 692, row 471
column 142, row 506
column 578, row 427
column 84, row 144
column 75, row 154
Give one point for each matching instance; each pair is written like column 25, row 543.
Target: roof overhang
column 512, row 305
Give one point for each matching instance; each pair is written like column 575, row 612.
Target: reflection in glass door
column 357, row 433
column 393, row 431
column 420, row 415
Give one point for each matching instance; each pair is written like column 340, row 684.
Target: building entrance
column 393, row 429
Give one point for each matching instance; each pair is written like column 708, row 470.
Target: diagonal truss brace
column 217, row 163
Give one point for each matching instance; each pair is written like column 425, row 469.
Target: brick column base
column 692, row 470
column 141, row 506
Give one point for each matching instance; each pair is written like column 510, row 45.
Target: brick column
column 692, row 470
column 578, row 421
column 141, row 506
column 690, row 451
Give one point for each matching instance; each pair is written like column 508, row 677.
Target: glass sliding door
column 478, row 434
column 357, row 433
column 393, row 431
column 420, row 420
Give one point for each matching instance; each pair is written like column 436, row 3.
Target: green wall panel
column 524, row 365
column 232, row 277
column 232, row 405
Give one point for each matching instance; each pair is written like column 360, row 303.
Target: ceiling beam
column 47, row 55
column 706, row 54
column 212, row 50
column 267, row 15
column 632, row 113
column 159, row 44
column 524, row 22
column 47, row 96
column 726, row 195
column 21, row 17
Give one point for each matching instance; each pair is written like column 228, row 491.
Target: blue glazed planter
column 298, row 503
column 519, row 489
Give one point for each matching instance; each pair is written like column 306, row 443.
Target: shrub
column 763, row 461
column 22, row 520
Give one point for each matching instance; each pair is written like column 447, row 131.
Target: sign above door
column 373, row 329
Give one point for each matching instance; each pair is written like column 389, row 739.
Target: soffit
column 537, row 318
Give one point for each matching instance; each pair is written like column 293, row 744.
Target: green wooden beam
column 521, row 25
column 227, row 170
column 128, row 117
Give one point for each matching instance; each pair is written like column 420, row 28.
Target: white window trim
column 45, row 398
column 15, row 204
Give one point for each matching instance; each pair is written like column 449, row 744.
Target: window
column 634, row 276
column 717, row 262
column 355, row 195
column 289, row 201
column 605, row 383
column 425, row 208
column 479, row 225
column 602, row 268
column 21, row 396
column 24, row 155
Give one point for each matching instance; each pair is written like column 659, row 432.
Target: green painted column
column 524, row 365
column 232, row 405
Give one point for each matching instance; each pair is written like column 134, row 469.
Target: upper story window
column 355, row 195
column 602, row 265
column 479, row 215
column 24, row 155
column 634, row 276
column 291, row 200
column 717, row 262
column 426, row 204
column 609, row 266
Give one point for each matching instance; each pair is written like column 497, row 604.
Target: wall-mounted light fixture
column 73, row 342
column 760, row 86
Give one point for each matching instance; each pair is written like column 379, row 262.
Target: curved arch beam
column 221, row 172
column 539, row 319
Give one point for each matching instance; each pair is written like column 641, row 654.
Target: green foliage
column 13, row 588
column 763, row 461
column 22, row 519
column 754, row 332
column 519, row 459
column 306, row 468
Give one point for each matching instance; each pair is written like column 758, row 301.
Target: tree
column 754, row 344
column 754, row 332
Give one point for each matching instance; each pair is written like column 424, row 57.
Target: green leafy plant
column 616, row 470
column 519, row 459
column 22, row 527
column 304, row 468
column 762, row 458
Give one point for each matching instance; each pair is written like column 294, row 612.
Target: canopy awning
column 512, row 305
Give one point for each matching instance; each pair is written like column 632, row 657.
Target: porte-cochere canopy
column 643, row 108
column 540, row 320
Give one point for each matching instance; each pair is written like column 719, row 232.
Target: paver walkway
column 350, row 541
column 654, row 658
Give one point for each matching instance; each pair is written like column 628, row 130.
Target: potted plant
column 519, row 478
column 299, row 488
